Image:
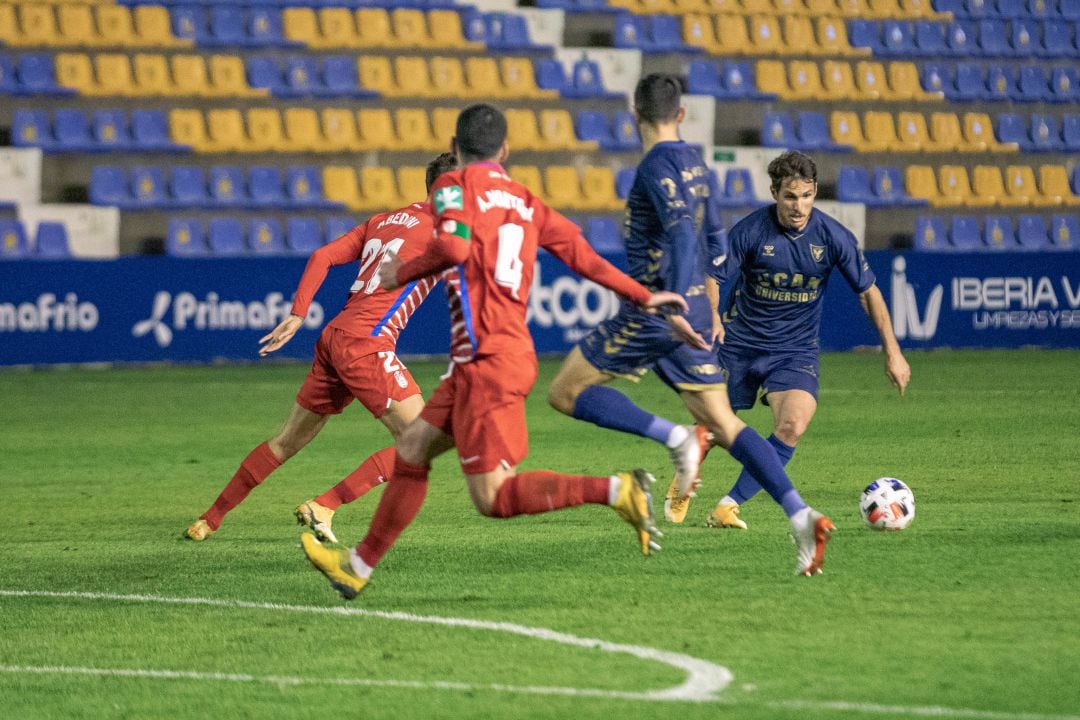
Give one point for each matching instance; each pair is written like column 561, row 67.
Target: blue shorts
column 752, row 370
column 631, row 343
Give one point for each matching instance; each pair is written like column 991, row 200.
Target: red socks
column 541, row 491
column 376, row 469
column 256, row 467
column 401, row 501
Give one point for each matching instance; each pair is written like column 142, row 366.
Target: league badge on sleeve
column 448, row 198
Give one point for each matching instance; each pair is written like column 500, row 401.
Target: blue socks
column 746, row 486
column 761, row 460
column 610, row 409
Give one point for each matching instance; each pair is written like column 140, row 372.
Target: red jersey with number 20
column 501, row 225
column 370, row 311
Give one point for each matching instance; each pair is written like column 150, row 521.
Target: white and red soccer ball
column 887, row 504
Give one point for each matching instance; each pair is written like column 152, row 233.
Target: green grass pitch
column 972, row 612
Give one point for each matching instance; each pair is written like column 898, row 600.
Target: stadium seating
column 51, row 241
column 13, row 245
column 227, row 237
column 1065, row 232
column 998, row 232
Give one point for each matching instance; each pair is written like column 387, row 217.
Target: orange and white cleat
column 676, row 506
column 811, row 532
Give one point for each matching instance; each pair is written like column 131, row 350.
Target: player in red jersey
column 488, row 229
column 354, row 358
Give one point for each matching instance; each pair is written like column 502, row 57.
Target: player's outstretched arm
column 896, row 365
column 280, row 336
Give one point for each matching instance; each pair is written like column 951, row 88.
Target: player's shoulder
column 409, row 217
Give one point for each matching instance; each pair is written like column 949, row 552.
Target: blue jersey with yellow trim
column 672, row 227
column 779, row 278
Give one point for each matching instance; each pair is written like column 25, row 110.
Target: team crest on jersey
column 768, row 251
column 448, row 198
column 818, row 251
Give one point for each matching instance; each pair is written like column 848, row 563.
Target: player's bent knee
column 562, row 397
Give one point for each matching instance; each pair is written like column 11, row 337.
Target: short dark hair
column 792, row 165
column 443, row 163
column 480, row 132
column 657, row 96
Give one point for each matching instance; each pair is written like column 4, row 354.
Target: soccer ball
column 887, row 504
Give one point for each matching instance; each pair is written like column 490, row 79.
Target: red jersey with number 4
column 501, row 224
column 370, row 311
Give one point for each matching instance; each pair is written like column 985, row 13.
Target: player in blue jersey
column 779, row 259
column 672, row 233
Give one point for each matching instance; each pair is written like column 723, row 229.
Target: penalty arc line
column 704, row 683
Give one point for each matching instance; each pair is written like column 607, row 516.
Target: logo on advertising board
column 48, row 313
column 570, row 303
column 908, row 322
column 1018, row 302
column 170, row 314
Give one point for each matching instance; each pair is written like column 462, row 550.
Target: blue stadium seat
column 265, row 187
column 813, row 132
column 340, row 78
column 302, row 77
column 1001, row 83
column 303, row 188
column 51, row 241
column 12, row 240
column 738, row 188
column 109, row 130
column 1011, row 128
column 665, row 35
column 777, row 130
column 887, row 185
column 148, row 187
column 227, row 187
column 970, row 83
column 593, row 125
column 703, row 78
column 938, row 77
column 302, row 235
column 930, row 38
column 1074, row 179
column 977, row 9
column 550, row 75
column 265, row 237
column 1025, row 38
column 930, row 233
column 865, row 34
column 898, row 39
column 185, row 238
column 8, row 82
column 150, row 131
column 740, row 82
column 587, row 81
column 964, row 232
column 994, row 39
column 624, row 180
column 629, row 33
column 853, row 185
column 956, row 7
column 226, row 237
column 1069, row 9
column 603, row 235
column 1031, row 232
column 1070, row 132
column 507, row 32
column 1057, row 40
column 1064, row 84
column 187, row 186
column 108, row 186
column 32, row 128
column 960, row 37
column 1044, row 134
column 71, row 128
column 624, row 130
column 189, row 23
column 1034, row 85
column 998, row 232
column 1010, row 8
column 36, row 76
column 226, row 26
column 337, row 226
column 1065, row 232
column 265, row 72
column 264, row 28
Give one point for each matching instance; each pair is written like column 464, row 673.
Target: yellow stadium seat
column 190, row 76
column 188, row 127
column 799, row 35
column 523, row 131
column 38, row 25
column 340, row 185
column 376, row 74
column 300, row 24
column 413, row 130
column 654, row 7
column 443, row 124
column 750, row 7
column 945, row 132
column 954, row 186
column 482, row 78
column 557, row 131
column 9, row 29
column 771, row 77
column 113, row 72
column 885, row 9
column 448, row 76
column 986, row 183
column 732, row 36
column 562, row 187
column 228, row 78
column 804, row 81
column 853, row 8
column 378, row 190
column 904, row 83
column 820, row 8
column 880, row 133
column 921, row 9
column 838, row 80
column 921, row 182
column 845, row 128
column 265, row 131
column 115, row 25
column 832, row 38
column 598, row 188
column 699, row 31
column 870, row 81
column 412, row 183
column 518, row 77
column 339, row 129
column 153, row 27
column 375, row 129
column 446, row 30
column 1054, row 182
column 788, row 7
column 413, row 77
column 700, row 7
column 337, row 28
column 409, row 28
column 74, row 70
column 1020, row 181
column 911, row 131
column 151, row 75
column 75, row 25
column 529, row 176
column 978, row 133
column 765, row 37
column 373, row 27
column 302, row 130
column 226, row 131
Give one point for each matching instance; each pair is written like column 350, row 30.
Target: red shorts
column 348, row 367
column 482, row 406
